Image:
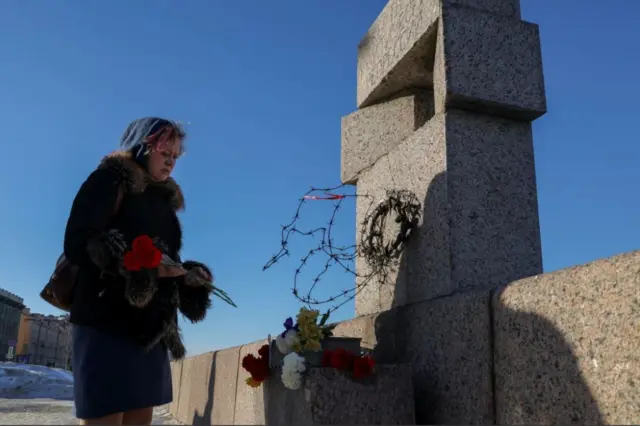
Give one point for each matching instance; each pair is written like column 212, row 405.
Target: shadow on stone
column 460, row 374
column 537, row 375
column 205, row 419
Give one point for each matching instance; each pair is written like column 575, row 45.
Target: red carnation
column 249, row 361
column 143, row 254
column 257, row 367
column 341, row 359
column 363, row 367
column 264, row 352
column 142, row 243
column 131, row 261
column 260, row 371
column 326, row 358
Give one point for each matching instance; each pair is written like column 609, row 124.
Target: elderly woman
column 124, row 315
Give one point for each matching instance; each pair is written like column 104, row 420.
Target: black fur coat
column 100, row 230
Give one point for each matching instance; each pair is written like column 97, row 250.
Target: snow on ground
column 33, row 394
column 35, row 381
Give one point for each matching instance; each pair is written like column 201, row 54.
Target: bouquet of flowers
column 296, row 342
column 144, row 259
column 305, row 336
column 143, row 254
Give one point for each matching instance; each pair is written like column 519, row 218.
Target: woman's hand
column 202, row 273
column 165, row 271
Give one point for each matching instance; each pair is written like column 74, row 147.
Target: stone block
column 488, row 63
column 509, row 8
column 176, row 382
column 362, row 327
column 447, row 342
column 225, row 386
column 184, row 402
column 567, row 345
column 475, row 177
column 372, row 132
column 329, row 397
column 196, row 411
column 249, row 406
column 475, row 54
column 397, row 51
column 492, row 198
column 417, row 164
column 335, row 398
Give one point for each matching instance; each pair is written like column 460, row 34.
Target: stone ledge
column 567, row 345
column 371, row 132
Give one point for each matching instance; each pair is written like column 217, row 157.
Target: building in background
column 45, row 340
column 24, row 337
column 11, row 307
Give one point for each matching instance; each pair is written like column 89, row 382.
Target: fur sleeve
column 195, row 292
column 86, row 238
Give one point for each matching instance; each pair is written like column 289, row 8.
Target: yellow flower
column 307, row 316
column 253, row 383
column 313, row 345
column 312, row 331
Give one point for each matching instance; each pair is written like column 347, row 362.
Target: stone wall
column 557, row 348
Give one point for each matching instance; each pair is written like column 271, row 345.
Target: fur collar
column 136, row 179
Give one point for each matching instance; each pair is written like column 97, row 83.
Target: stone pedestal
column 329, row 397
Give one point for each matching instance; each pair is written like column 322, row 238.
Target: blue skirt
column 112, row 374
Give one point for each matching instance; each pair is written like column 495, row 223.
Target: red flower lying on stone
column 143, row 254
column 343, row 360
column 257, row 367
column 363, row 367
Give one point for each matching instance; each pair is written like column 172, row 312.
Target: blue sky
column 263, row 86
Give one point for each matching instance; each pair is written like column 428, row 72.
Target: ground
column 32, row 394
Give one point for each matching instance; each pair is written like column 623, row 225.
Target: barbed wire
column 380, row 255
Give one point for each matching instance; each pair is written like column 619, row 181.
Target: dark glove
column 198, row 274
column 195, row 293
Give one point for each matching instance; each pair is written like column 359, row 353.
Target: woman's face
column 163, row 159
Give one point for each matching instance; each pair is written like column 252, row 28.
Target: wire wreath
column 380, row 254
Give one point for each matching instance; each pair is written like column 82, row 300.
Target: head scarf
column 134, row 139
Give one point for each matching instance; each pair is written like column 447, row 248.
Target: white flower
column 282, row 346
column 285, row 344
column 291, row 380
column 292, row 368
column 291, row 336
column 294, row 362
